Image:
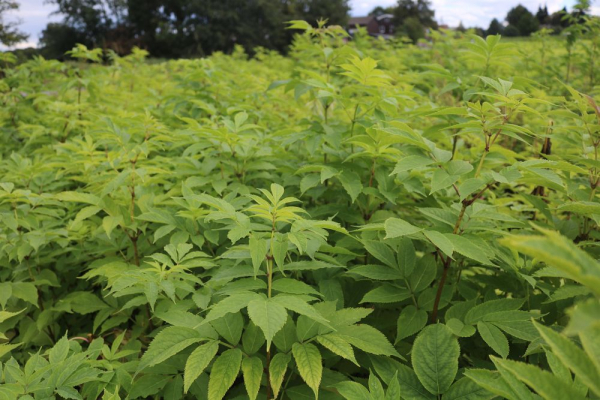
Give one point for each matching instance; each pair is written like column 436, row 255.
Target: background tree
column 542, row 15
column 377, row 11
column 495, row 28
column 413, row 16
column 184, row 28
column 335, row 11
column 9, row 33
column 419, row 9
column 522, row 19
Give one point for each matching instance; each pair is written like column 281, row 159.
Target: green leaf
column 396, row 227
column 559, row 252
column 231, row 304
column 230, row 327
column 494, row 338
column 377, row 272
column 410, row 322
column 435, row 358
column 297, row 305
column 308, row 360
column 440, row 241
column 381, row 251
column 423, row 274
column 197, row 362
column 277, row 370
column 252, row 370
column 468, row 248
column 252, row 339
column 459, row 328
column 375, row 387
column 572, row 356
column 351, row 183
column 466, row 389
column 109, row 223
column 337, row 345
column 353, row 391
column 386, row 294
column 488, row 309
column 268, row 316
column 393, row 390
column 6, row 348
column 78, row 197
column 496, row 383
column 167, row 343
column 368, row 339
column 293, row 286
column 258, row 251
column 411, row 162
column 28, row 291
column 407, row 257
column 543, row 382
column 4, row 315
column 224, row 372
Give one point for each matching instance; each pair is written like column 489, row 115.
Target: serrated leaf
column 543, row 382
column 268, row 316
column 231, row 304
column 435, row 358
column 368, row 339
column 352, row 391
column 467, row 389
column 411, row 162
column 197, row 362
column 297, row 305
column 310, row 367
column 494, row 338
column 167, row 343
column 277, row 370
column 351, row 183
column 258, row 251
column 224, row 372
column 410, row 322
column 572, row 356
column 440, row 241
column 396, row 227
column 293, row 286
column 381, row 251
column 252, row 370
column 337, row 345
column 489, row 308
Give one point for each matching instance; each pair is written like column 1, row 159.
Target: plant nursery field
column 358, row 219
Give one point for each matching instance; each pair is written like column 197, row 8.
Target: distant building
column 380, row 25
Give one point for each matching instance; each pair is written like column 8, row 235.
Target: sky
column 35, row 14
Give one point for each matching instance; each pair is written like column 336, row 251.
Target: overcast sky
column 35, row 14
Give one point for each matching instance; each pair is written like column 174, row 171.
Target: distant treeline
column 182, row 28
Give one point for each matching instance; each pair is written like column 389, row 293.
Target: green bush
column 320, row 225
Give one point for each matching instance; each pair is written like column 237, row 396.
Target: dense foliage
column 320, row 225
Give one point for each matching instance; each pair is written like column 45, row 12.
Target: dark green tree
column 419, row 9
column 334, row 11
column 542, row 15
column 377, row 11
column 58, row 38
column 9, row 32
column 523, row 20
column 495, row 28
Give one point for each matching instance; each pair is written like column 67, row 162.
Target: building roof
column 360, row 20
